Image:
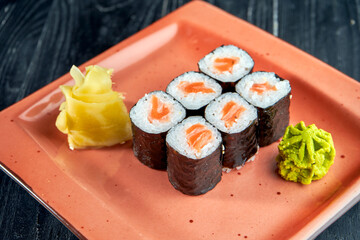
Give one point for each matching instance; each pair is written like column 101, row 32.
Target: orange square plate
column 108, row 194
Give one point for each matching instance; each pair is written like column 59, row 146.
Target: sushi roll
column 236, row 119
column 271, row 96
column 194, row 156
column 227, row 64
column 151, row 118
column 194, row 91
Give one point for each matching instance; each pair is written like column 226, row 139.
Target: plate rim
column 309, row 232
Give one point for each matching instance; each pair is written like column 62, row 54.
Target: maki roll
column 271, row 96
column 236, row 119
column 227, row 64
column 194, row 91
column 194, row 156
column 151, row 118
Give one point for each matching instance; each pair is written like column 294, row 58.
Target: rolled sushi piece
column 151, row 118
column 271, row 95
column 227, row 64
column 236, row 119
column 194, row 91
column 194, row 156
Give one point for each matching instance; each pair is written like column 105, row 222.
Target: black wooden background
column 41, row 39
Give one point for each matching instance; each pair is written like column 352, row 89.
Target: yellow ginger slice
column 93, row 115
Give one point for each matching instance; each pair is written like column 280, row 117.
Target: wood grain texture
column 41, row 39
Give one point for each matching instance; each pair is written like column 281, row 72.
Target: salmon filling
column 231, row 112
column 225, row 64
column 198, row 136
column 159, row 110
column 194, row 87
column 260, row 88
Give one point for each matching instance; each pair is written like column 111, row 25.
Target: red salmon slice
column 159, row 110
column 231, row 112
column 225, row 64
column 194, row 87
column 198, row 136
column 260, row 88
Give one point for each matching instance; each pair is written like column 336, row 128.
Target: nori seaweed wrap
column 271, row 96
column 194, row 156
column 236, row 119
column 151, row 118
column 273, row 121
column 240, row 147
column 150, row 148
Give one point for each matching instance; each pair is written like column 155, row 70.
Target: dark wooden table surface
column 41, row 39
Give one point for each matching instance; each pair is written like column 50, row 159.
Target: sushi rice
column 194, row 100
column 176, row 138
column 213, row 113
column 140, row 112
column 267, row 98
column 243, row 66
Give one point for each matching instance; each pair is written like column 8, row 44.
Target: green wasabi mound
column 305, row 153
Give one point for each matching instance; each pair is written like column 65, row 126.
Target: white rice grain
column 140, row 112
column 193, row 101
column 213, row 113
column 267, row 98
column 176, row 138
column 240, row 69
